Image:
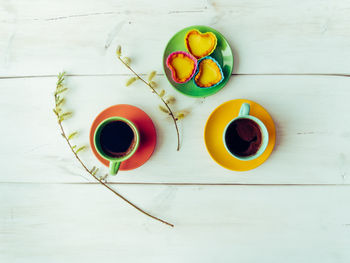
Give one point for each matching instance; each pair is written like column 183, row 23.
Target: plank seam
column 175, row 184
column 126, row 75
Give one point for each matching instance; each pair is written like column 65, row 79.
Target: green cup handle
column 245, row 109
column 114, row 167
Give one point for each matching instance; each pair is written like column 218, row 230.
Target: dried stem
column 91, row 172
column 164, row 102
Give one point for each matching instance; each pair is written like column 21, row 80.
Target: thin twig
column 91, row 172
column 164, row 102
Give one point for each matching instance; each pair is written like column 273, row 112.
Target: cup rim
column 264, row 143
column 135, row 130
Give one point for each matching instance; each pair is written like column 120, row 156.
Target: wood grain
column 55, row 223
column 40, row 37
column 312, row 130
column 290, row 56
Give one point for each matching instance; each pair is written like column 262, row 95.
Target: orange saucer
column 216, row 124
column 148, row 135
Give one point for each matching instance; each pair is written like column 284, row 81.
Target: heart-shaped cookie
column 200, row 44
column 182, row 66
column 209, row 73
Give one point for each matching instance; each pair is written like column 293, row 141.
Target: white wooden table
column 293, row 57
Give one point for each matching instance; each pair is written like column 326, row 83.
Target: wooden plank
column 309, row 112
column 71, row 223
column 266, row 36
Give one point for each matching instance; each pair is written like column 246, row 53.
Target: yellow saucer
column 214, row 128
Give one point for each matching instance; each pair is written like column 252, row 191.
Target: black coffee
column 117, row 139
column 243, row 137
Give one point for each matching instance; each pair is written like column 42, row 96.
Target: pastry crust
column 182, row 66
column 200, row 44
column 209, row 73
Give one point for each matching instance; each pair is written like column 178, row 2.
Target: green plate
column 222, row 54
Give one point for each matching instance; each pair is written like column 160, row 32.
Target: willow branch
column 172, row 115
column 91, row 172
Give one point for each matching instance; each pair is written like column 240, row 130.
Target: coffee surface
column 117, row 139
column 243, row 137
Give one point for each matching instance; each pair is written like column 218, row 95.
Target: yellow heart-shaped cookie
column 209, row 73
column 182, row 66
column 200, row 44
